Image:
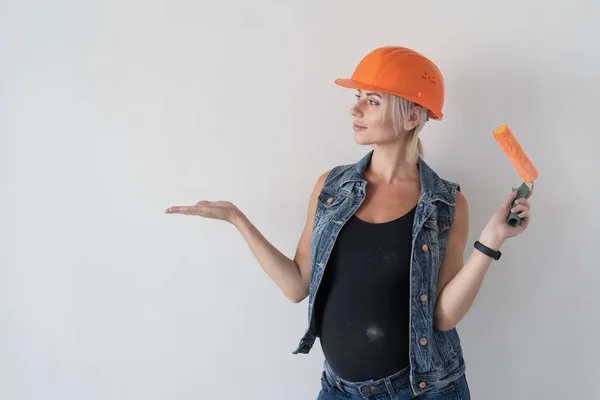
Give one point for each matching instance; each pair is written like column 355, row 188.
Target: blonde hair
column 401, row 110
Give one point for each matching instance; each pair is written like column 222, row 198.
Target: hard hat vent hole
column 428, row 78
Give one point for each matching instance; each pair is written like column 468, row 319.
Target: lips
column 358, row 127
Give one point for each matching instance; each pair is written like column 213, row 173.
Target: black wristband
column 487, row 251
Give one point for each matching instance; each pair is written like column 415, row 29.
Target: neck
column 388, row 165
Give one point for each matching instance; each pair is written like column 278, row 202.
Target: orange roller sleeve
column 515, row 154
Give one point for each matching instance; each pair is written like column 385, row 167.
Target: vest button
column 330, row 200
column 422, row 385
column 423, row 297
column 425, row 247
column 366, row 390
column 423, row 341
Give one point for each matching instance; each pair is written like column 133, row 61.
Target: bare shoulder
column 461, row 202
column 460, row 224
column 319, row 184
column 321, row 180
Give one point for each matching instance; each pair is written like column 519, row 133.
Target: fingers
column 525, row 215
column 522, row 207
column 509, row 200
column 521, row 211
column 523, row 201
column 188, row 210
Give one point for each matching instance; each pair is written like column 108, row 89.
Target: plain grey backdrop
column 112, row 111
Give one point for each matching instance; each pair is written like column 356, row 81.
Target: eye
column 371, row 101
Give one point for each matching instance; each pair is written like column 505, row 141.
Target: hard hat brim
column 352, row 84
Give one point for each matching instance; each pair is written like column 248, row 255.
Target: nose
column 356, row 110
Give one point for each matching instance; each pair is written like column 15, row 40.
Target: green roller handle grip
column 513, row 218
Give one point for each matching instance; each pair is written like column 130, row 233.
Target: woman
column 383, row 247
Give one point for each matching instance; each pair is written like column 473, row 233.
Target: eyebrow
column 371, row 94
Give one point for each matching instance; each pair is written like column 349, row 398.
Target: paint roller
column 520, row 161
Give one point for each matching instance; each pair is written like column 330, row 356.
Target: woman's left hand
column 498, row 229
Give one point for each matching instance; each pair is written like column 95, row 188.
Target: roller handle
column 513, row 218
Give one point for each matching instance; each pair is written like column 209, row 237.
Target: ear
column 414, row 118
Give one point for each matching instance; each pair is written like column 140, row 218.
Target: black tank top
column 362, row 306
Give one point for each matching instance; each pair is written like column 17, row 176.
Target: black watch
column 487, row 251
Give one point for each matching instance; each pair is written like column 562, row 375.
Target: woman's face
column 372, row 119
column 369, row 124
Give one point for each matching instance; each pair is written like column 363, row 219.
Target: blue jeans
column 393, row 387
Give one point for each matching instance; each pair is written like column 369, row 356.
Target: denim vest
column 436, row 357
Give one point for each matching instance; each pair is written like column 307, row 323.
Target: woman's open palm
column 223, row 210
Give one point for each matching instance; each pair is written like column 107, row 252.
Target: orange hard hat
column 402, row 72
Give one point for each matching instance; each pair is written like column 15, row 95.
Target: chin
column 361, row 139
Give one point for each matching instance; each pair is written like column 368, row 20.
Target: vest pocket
column 443, row 346
column 431, row 235
column 326, row 204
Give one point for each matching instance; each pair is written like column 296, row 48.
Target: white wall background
column 111, row 111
